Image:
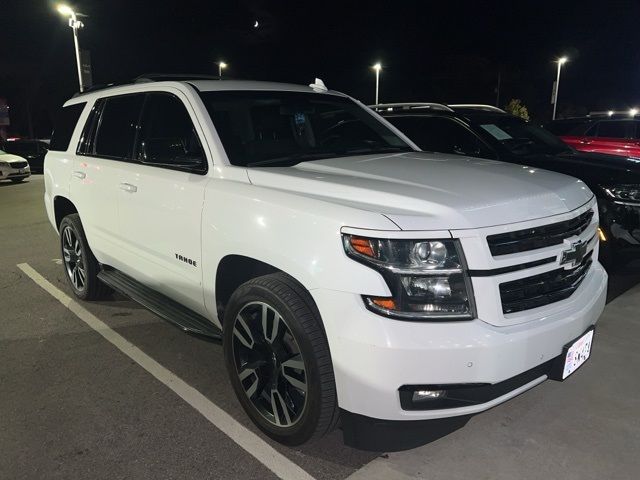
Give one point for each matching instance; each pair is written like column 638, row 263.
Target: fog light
column 421, row 395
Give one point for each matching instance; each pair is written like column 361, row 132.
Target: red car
column 616, row 136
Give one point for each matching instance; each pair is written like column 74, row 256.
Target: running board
column 170, row 310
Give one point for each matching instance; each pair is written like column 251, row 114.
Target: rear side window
column 116, row 129
column 64, row 125
column 615, row 129
column 443, row 135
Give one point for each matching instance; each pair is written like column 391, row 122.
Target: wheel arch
column 62, row 207
column 234, row 270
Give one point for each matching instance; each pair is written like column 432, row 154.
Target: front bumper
column 12, row 173
column 374, row 356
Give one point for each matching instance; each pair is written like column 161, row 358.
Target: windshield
column 520, row 137
column 274, row 128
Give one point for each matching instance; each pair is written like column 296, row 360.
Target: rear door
column 161, row 198
column 107, row 143
column 615, row 137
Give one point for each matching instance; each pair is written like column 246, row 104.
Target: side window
column 167, row 136
column 614, row 129
column 116, row 129
column 64, row 126
column 443, row 135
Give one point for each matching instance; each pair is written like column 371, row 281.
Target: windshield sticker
column 496, row 131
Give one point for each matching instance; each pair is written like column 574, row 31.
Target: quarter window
column 614, row 129
column 65, row 124
column 117, row 126
column 167, row 135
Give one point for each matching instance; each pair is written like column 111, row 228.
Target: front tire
column 80, row 266
column 278, row 359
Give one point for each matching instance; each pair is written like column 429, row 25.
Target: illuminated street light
column 561, row 61
column 221, row 66
column 610, row 113
column 75, row 24
column 633, row 112
column 377, row 67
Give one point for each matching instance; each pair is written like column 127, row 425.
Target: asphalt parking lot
column 77, row 402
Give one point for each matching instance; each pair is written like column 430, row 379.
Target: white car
column 346, row 272
column 13, row 167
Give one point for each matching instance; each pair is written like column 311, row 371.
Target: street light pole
column 221, row 66
column 560, row 61
column 377, row 67
column 75, row 25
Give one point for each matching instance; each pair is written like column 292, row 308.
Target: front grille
column 18, row 164
column 543, row 289
column 538, row 237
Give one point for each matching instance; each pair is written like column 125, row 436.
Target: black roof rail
column 175, row 77
column 150, row 77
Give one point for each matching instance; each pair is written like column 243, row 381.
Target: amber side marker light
column 386, row 303
column 362, row 245
column 603, row 237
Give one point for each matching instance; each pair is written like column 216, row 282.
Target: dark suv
column 489, row 132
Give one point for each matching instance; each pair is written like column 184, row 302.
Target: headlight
column 427, row 278
column 624, row 194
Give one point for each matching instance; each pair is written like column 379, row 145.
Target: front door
column 160, row 201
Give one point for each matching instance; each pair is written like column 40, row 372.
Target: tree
column 515, row 107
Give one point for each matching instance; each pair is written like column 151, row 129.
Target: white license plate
column 577, row 354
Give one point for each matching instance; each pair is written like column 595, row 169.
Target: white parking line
column 245, row 438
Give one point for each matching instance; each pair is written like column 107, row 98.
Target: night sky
column 431, row 51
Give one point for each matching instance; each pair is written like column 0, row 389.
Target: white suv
column 347, row 272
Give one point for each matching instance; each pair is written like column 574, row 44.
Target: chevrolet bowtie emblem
column 573, row 256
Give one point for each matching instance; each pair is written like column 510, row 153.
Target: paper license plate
column 577, row 354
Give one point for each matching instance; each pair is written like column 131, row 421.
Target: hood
column 616, row 164
column 10, row 158
column 423, row 191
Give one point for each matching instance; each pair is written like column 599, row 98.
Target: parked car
column 615, row 136
column 13, row 168
column 347, row 273
column 488, row 132
column 31, row 150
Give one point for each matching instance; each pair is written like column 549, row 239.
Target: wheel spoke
column 67, row 254
column 67, row 237
column 81, row 275
column 243, row 334
column 253, row 387
column 293, row 372
column 270, row 334
column 280, row 410
column 76, row 248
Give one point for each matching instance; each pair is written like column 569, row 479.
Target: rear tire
column 278, row 359
column 80, row 266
